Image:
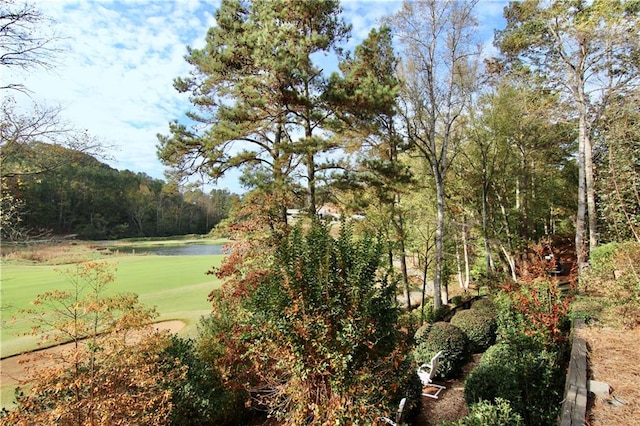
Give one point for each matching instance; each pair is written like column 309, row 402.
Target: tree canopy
column 262, row 99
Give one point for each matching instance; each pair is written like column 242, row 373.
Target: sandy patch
column 13, row 368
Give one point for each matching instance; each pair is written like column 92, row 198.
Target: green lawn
column 176, row 286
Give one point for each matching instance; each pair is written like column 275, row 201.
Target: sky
column 114, row 77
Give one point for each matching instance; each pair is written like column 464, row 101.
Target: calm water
column 185, row 250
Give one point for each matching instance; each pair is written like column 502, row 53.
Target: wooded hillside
column 81, row 195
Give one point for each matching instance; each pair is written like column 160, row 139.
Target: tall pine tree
column 260, row 99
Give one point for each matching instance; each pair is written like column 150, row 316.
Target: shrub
column 491, row 378
column 533, row 315
column 486, row 413
column 484, row 304
column 531, row 381
column 428, row 314
column 479, row 326
column 199, row 397
column 456, row 300
column 422, row 333
column 435, row 315
column 449, row 339
column 325, row 346
column 602, row 259
column 614, row 272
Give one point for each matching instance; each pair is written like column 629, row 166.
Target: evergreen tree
column 260, row 96
column 368, row 95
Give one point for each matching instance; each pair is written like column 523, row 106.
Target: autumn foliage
column 316, row 339
column 111, row 374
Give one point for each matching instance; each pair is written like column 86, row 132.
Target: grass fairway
column 176, row 286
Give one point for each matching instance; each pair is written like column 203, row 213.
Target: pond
column 181, row 250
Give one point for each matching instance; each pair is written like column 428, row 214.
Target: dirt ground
column 12, row 369
column 614, row 358
column 450, row 405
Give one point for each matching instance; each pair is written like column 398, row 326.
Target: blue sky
column 115, row 76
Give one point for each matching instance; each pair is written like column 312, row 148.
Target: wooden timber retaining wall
column 574, row 405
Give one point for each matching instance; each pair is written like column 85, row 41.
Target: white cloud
column 115, row 79
column 365, row 15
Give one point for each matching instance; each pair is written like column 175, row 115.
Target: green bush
column 485, row 413
column 479, row 326
column 484, row 304
column 531, row 381
column 199, row 398
column 327, row 345
column 614, row 275
column 602, row 258
column 492, row 378
column 422, row 333
column 448, row 338
column 456, row 300
column 429, row 314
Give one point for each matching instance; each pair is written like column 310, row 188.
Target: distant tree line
column 84, row 196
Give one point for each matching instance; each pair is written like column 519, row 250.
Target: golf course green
column 177, row 286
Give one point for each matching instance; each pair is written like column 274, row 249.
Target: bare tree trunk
column 581, row 212
column 405, row 275
column 311, row 184
column 424, row 282
column 485, row 209
column 459, row 265
column 439, row 241
column 427, row 262
column 512, row 262
column 590, row 191
column 403, row 255
column 465, row 248
column 508, row 255
column 398, row 223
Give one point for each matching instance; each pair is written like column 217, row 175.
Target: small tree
column 533, row 309
column 320, row 336
column 111, row 374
